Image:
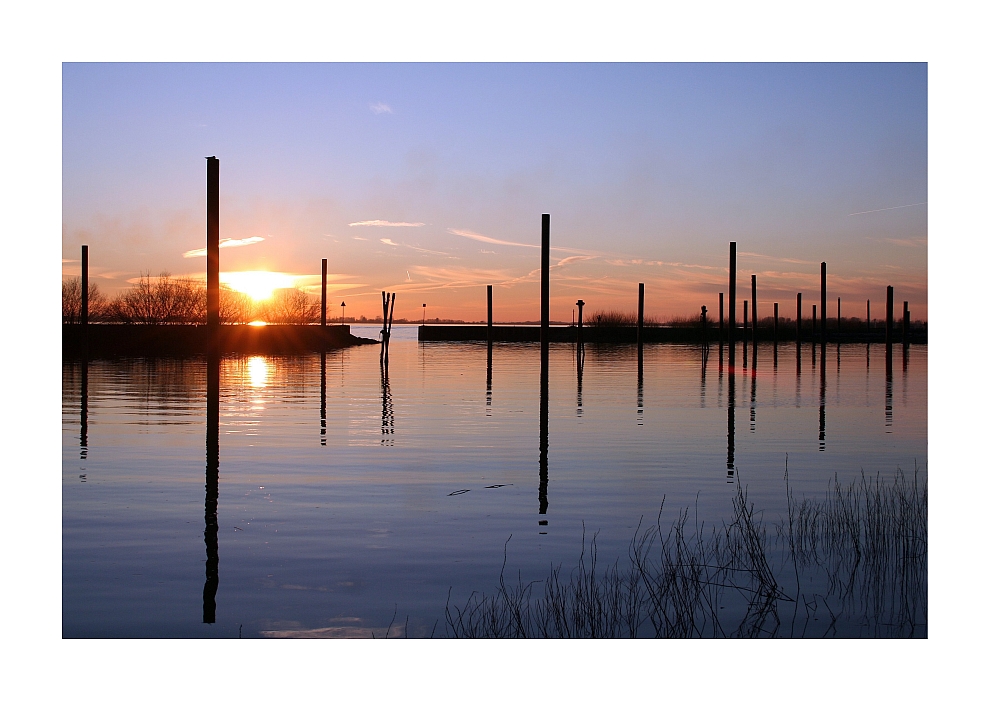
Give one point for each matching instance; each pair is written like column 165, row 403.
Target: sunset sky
column 429, row 180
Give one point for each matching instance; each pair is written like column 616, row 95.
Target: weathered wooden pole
column 890, row 315
column 754, row 310
column 838, row 315
column 823, row 302
column 212, row 244
column 721, row 319
column 814, row 322
column 84, row 308
column 868, row 316
column 489, row 313
column 323, row 295
column 776, row 320
column 732, row 292
column 797, row 330
column 580, row 306
column 545, row 283
column 906, row 323
column 639, row 320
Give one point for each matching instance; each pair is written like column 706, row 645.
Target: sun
column 258, row 284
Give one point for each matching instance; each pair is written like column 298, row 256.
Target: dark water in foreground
column 345, row 499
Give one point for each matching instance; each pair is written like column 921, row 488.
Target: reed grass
column 851, row 564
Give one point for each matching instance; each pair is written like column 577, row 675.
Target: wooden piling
column 776, row 320
column 639, row 321
column 797, row 330
column 823, row 302
column 84, row 308
column 755, row 317
column 868, row 322
column 814, row 322
column 580, row 306
column 489, row 313
column 732, row 292
column 545, row 283
column 890, row 315
column 838, row 315
column 745, row 321
column 323, row 295
column 212, row 243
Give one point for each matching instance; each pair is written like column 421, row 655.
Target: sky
column 429, row 180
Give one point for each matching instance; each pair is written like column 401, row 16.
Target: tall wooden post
column 890, row 315
column 838, row 315
column 323, row 295
column 212, row 243
column 84, row 309
column 823, row 302
column 868, row 316
column 798, row 320
column 732, row 292
column 489, row 313
column 814, row 323
column 639, row 321
column 745, row 321
column 580, row 306
column 545, row 283
column 775, row 322
column 754, row 310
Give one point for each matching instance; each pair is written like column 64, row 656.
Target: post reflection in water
column 797, row 379
column 83, row 415
column 212, row 486
column 730, row 460
column 639, row 388
column 388, row 415
column 704, row 367
column 752, row 393
column 488, row 390
column 544, row 425
column 889, row 391
column 821, row 404
column 323, row 398
column 580, row 379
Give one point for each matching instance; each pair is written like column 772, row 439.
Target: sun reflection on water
column 258, row 371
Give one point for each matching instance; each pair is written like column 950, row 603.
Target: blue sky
column 647, row 170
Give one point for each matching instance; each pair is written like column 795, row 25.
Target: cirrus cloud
column 383, row 222
column 224, row 243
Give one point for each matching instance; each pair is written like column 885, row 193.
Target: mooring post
column 823, row 302
column 907, row 323
column 84, row 309
column 545, row 283
column 639, row 321
column 489, row 313
column 323, row 295
column 867, row 316
column 797, row 330
column 838, row 315
column 890, row 315
column 814, row 322
column 732, row 292
column 212, row 244
column 754, row 310
column 580, row 306
column 775, row 323
column 721, row 319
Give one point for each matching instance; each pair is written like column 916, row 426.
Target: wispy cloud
column 224, row 243
column 488, row 239
column 383, row 222
column 887, row 209
column 380, row 108
column 388, row 242
column 748, row 254
column 914, row 242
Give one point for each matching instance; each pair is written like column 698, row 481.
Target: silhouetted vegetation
column 853, row 564
column 72, row 301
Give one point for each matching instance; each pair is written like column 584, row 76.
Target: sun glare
column 257, row 371
column 258, row 284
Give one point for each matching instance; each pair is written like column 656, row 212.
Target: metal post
column 84, row 309
column 212, row 243
column 732, row 292
column 323, row 295
column 545, row 283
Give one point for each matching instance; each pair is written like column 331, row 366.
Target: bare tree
column 165, row 300
column 72, row 301
column 235, row 307
column 290, row 306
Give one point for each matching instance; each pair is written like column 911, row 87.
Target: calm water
column 345, row 499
